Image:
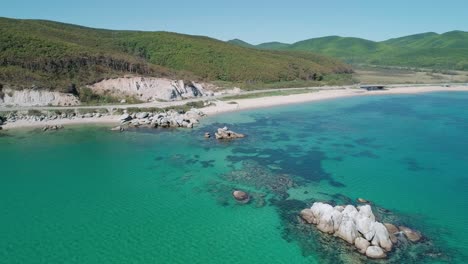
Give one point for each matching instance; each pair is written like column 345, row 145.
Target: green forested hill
column 272, row 45
column 241, row 43
column 449, row 40
column 427, row 50
column 54, row 55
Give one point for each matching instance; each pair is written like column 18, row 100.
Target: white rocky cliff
column 151, row 89
column 29, row 97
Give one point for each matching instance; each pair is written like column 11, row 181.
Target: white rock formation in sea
column 28, row 97
column 152, row 89
column 357, row 226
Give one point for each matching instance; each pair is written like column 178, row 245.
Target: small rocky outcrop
column 225, row 133
column 358, row 227
column 362, row 200
column 241, row 196
column 207, row 135
column 118, row 128
column 52, row 127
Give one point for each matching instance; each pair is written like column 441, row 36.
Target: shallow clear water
column 88, row 195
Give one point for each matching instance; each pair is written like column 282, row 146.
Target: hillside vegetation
column 428, row 50
column 52, row 55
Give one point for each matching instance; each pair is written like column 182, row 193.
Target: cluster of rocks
column 225, row 133
column 161, row 119
column 358, row 227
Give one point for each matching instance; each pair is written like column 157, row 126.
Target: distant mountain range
column 52, row 55
column 426, row 50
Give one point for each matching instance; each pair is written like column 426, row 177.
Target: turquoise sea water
column 89, row 195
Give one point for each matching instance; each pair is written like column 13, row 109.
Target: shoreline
column 251, row 103
column 265, row 102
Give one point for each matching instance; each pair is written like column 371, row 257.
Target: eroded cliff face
column 29, row 97
column 151, row 89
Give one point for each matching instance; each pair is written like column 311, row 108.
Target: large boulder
column 125, row 117
column 323, row 213
column 142, row 115
column 381, row 237
column 361, row 244
column 364, row 220
column 412, row 235
column 391, row 228
column 337, row 218
column 347, row 229
column 308, row 216
column 375, row 252
column 241, row 196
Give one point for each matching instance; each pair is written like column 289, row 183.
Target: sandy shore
column 244, row 104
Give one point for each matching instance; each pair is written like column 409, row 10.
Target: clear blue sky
column 254, row 21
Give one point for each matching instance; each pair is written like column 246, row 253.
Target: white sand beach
column 243, row 104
